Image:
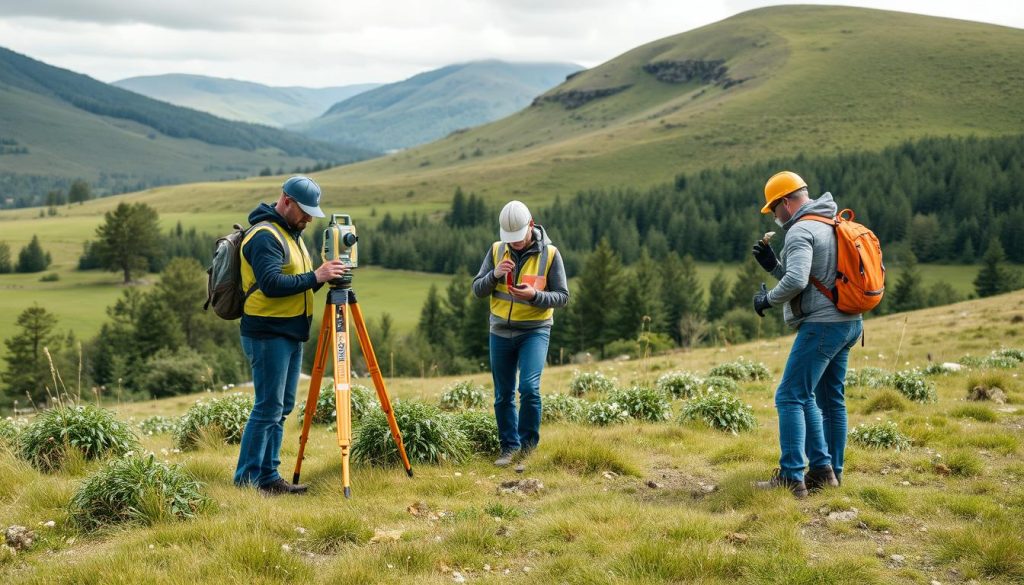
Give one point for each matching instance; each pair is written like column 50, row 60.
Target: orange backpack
column 860, row 273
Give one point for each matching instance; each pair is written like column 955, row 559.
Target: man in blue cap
column 279, row 278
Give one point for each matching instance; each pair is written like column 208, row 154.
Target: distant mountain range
column 243, row 101
column 56, row 125
column 433, row 104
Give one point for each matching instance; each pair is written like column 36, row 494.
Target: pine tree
column 32, row 258
column 182, row 288
column 600, row 285
column 718, row 296
column 128, row 237
column 457, row 215
column 909, row 293
column 749, row 277
column 433, row 326
column 993, row 278
column 28, row 371
column 79, row 192
column 641, row 305
column 5, row 258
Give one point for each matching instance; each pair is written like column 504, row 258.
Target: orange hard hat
column 780, row 185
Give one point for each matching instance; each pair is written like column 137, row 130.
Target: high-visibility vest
column 296, row 261
column 533, row 272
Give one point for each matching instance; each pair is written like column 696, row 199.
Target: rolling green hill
column 433, row 104
column 56, row 124
column 243, row 101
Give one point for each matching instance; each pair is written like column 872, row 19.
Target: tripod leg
column 322, row 345
column 378, row 382
column 343, row 388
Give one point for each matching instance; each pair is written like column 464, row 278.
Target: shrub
column 89, row 429
column 584, row 382
column 170, row 373
column 645, row 344
column 1016, row 355
column 225, row 416
column 741, row 370
column 867, row 377
column 721, row 383
column 362, row 399
column 481, row 429
column 10, row 428
column 462, row 395
column 643, row 403
column 558, row 407
column 914, row 385
column 1003, row 362
column 606, row 412
column 136, row 490
column 429, row 435
column 720, row 410
column 880, row 436
column 680, row 383
column 157, row 425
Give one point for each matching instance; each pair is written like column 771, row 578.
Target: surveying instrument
column 333, row 343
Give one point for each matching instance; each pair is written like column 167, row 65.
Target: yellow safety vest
column 533, row 272
column 296, row 261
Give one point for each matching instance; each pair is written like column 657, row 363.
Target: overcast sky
column 316, row 43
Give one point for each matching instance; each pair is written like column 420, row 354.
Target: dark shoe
column 506, row 457
column 798, row 488
column 821, row 477
column 298, row 488
column 520, row 459
column 280, row 486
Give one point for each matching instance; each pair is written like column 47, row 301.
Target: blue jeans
column 524, row 353
column 811, row 400
column 275, row 374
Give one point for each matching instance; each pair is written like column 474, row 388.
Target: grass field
column 636, row 503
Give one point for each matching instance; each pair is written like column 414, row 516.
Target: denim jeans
column 525, row 354
column 811, row 399
column 275, row 373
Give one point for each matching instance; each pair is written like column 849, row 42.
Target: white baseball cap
column 514, row 221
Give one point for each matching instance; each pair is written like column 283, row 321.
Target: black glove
column 765, row 256
column 761, row 300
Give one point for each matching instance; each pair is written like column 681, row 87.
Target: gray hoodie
column 810, row 250
column 555, row 296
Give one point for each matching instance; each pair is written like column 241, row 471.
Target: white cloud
column 324, row 42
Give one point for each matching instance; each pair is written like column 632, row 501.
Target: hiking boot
column 506, row 457
column 280, row 486
column 520, row 459
column 798, row 488
column 820, row 477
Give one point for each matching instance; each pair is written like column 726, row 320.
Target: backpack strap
column 832, row 295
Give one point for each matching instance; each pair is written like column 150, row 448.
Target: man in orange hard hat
column 810, row 397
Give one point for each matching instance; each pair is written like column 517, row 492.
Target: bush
column 462, row 395
column 606, row 413
column 722, row 384
column 914, row 385
column 1014, row 354
column 10, row 428
column 741, row 370
column 429, row 435
column 720, row 410
column 885, row 400
column 867, row 377
column 361, row 399
column 645, row 344
column 225, row 416
column 170, row 373
column 157, row 425
column 643, row 403
column 584, row 382
column 89, row 429
column 136, row 490
column 481, row 429
column 880, row 436
column 1001, row 361
column 558, row 407
column 680, row 383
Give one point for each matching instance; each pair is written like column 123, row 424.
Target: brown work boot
column 820, row 477
column 798, row 488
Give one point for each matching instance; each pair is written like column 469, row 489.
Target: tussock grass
column 886, row 400
column 975, row 411
column 588, row 456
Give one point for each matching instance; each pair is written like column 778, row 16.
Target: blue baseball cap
column 305, row 192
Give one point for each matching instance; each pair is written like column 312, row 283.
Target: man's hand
column 765, row 256
column 330, row 270
column 503, row 268
column 761, row 301
column 524, row 292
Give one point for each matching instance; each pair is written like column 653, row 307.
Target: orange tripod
column 334, row 339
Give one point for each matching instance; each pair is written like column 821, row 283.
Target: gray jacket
column 810, row 250
column 555, row 296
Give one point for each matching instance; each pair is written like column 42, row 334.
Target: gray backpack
column 224, row 276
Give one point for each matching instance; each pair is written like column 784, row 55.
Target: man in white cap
column 525, row 279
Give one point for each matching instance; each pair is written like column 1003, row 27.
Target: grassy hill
column 56, row 125
column 243, row 101
column 633, row 503
column 433, row 104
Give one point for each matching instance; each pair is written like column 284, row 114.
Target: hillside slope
column 243, row 101
column 430, row 105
